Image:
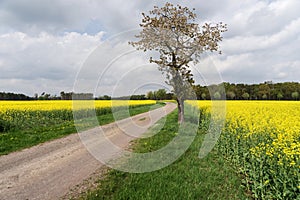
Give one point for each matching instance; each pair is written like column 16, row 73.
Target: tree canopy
column 172, row 32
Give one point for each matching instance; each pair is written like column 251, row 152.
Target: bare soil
column 63, row 168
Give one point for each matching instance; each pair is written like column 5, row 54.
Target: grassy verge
column 187, row 178
column 17, row 139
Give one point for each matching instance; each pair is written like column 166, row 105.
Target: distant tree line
column 160, row 94
column 45, row 96
column 138, row 97
column 104, row 97
column 66, row 95
column 262, row 91
column 13, row 96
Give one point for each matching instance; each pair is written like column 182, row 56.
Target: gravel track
column 50, row 170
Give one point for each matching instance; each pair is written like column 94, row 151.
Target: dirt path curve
column 49, row 170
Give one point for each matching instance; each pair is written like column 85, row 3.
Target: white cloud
column 117, row 69
column 47, row 15
column 44, row 43
column 43, row 59
column 242, row 43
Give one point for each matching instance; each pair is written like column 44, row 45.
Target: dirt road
column 49, row 170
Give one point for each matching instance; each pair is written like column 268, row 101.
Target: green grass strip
column 187, row 178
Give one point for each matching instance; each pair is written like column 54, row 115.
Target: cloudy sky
column 73, row 45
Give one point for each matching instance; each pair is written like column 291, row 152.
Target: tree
column 104, row 97
column 172, row 32
column 264, row 96
column 264, row 91
column 62, row 95
column 295, row 95
column 246, row 96
column 138, row 97
column 217, row 95
column 161, row 94
column 230, row 95
column 44, row 96
column 66, row 96
column 279, row 96
column 150, row 95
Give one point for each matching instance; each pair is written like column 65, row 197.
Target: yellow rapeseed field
column 262, row 138
column 28, row 114
column 27, row 123
column 65, row 104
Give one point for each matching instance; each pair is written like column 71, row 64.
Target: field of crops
column 262, row 140
column 64, row 104
column 27, row 123
column 28, row 114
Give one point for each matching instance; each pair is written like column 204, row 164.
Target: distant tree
column 104, row 97
column 172, row 32
column 47, row 96
column 44, row 96
column 246, row 96
column 82, row 96
column 169, row 96
column 295, row 95
column 62, row 95
column 265, row 96
column 66, row 96
column 150, row 95
column 264, row 91
column 138, row 97
column 202, row 92
column 230, row 95
column 279, row 95
column 161, row 94
column 197, row 90
column 239, row 90
column 155, row 95
column 217, row 95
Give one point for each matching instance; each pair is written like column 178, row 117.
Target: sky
column 82, row 45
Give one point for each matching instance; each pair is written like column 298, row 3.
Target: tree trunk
column 180, row 106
